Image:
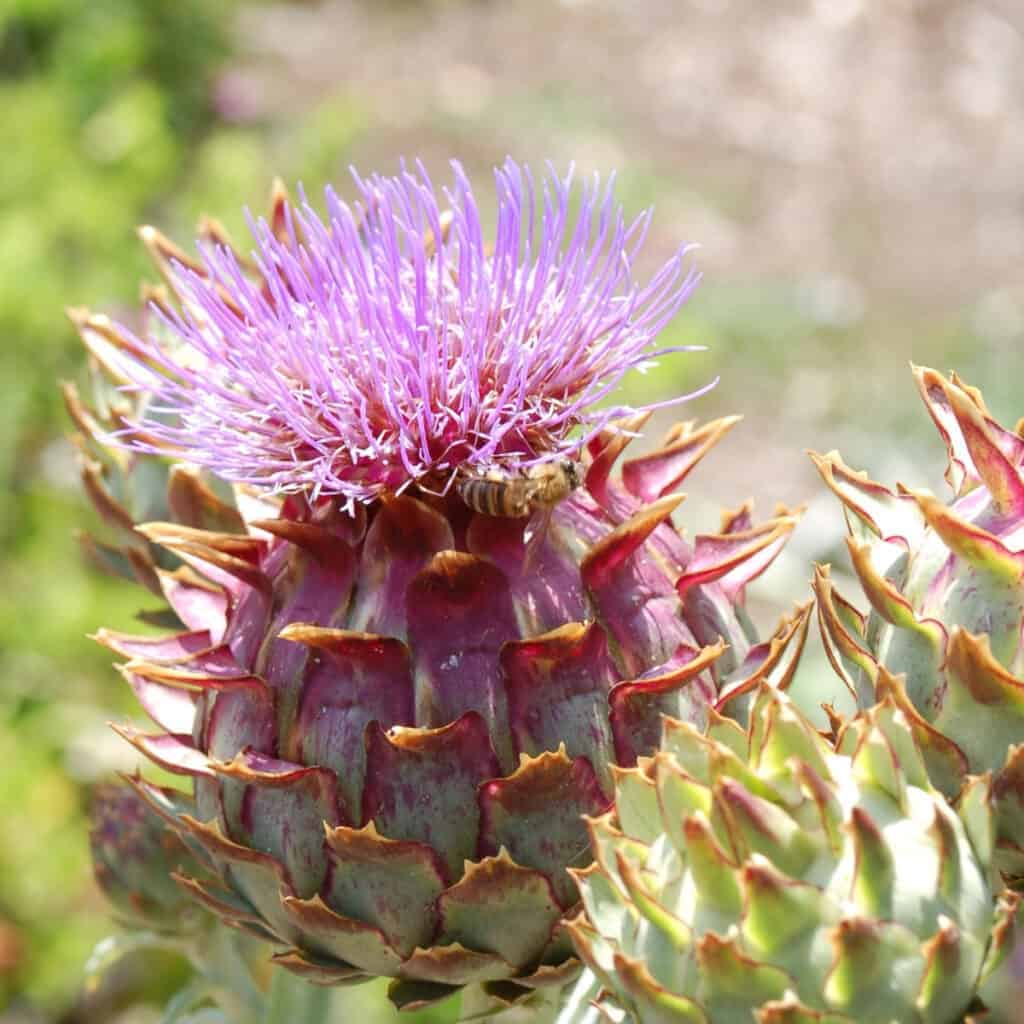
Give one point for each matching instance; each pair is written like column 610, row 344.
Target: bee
column 539, row 489
column 534, row 493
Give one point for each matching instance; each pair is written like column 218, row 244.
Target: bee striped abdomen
column 515, row 496
column 498, row 496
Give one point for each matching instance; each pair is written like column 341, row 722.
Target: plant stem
column 223, row 957
column 295, row 1001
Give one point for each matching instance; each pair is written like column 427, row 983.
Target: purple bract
column 390, row 343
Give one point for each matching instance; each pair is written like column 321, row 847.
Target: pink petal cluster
column 392, row 343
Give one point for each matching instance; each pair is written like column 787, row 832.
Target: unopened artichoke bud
column 401, row 683
column 764, row 877
column 135, row 855
column 946, row 587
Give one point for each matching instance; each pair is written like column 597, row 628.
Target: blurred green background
column 854, row 172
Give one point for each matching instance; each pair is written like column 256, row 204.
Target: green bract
column 761, row 876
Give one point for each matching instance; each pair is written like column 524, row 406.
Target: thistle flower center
column 388, row 343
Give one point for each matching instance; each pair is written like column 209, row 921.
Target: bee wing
column 533, row 536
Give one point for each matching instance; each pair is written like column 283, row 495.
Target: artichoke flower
column 399, row 677
column 763, row 876
column 946, row 587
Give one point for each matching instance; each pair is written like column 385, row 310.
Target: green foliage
column 102, row 100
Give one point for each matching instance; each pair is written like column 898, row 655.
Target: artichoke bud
column 834, row 888
column 135, row 854
column 945, row 585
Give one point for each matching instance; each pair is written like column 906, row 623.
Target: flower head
column 388, row 343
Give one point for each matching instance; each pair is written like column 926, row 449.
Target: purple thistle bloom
column 390, row 344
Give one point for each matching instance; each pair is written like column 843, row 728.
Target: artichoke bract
column 394, row 706
column 127, row 487
column 764, row 876
column 946, row 587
